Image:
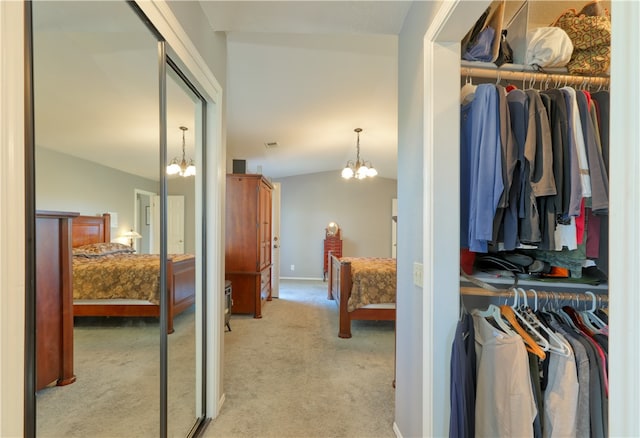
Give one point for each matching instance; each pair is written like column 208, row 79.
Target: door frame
column 275, row 239
column 137, row 213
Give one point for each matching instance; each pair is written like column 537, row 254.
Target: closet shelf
column 522, row 72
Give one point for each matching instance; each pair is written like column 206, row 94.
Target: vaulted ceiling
column 300, row 74
column 304, row 75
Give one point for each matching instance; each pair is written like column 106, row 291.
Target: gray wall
column 67, row 183
column 409, row 307
column 362, row 209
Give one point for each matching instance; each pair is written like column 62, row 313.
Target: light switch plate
column 417, row 274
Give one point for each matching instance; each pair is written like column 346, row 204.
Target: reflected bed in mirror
column 110, row 279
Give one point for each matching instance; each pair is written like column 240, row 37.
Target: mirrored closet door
column 184, row 170
column 100, row 82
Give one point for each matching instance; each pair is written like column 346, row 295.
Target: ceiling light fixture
column 361, row 168
column 181, row 167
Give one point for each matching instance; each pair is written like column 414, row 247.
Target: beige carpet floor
column 289, row 375
column 116, row 394
column 285, row 375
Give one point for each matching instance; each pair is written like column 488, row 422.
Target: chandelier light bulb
column 173, row 169
column 347, row 173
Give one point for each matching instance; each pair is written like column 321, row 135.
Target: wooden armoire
column 248, row 241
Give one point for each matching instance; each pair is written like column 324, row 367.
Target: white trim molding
column 441, row 228
column 624, row 220
column 12, row 222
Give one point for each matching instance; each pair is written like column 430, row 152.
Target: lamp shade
column 131, row 235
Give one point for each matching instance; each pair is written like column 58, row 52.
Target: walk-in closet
column 530, row 353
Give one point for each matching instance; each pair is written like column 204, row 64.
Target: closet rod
column 552, row 78
column 507, row 293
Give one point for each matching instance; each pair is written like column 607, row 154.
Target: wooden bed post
column 171, row 296
column 329, row 274
column 345, row 290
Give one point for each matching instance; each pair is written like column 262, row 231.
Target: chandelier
column 360, row 168
column 181, row 167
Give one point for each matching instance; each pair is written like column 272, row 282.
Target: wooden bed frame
column 340, row 289
column 180, row 277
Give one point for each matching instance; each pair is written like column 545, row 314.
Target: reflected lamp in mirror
column 181, row 166
column 360, row 169
column 131, row 235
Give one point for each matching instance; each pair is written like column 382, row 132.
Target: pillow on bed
column 100, row 249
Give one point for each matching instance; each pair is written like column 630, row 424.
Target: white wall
column 362, row 209
column 409, row 318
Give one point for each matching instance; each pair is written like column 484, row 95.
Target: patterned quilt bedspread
column 124, row 275
column 374, row 281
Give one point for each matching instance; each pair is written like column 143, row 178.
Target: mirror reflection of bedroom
column 98, row 190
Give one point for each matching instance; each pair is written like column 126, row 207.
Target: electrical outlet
column 417, row 274
column 293, row 267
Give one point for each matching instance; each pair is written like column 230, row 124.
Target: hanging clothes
column 483, row 151
column 597, row 171
column 463, row 380
column 533, row 165
column 516, row 394
column 561, row 395
column 505, row 403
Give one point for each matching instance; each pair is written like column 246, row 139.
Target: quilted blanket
column 374, row 281
column 125, row 276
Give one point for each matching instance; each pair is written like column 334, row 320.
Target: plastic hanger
column 512, row 317
column 586, row 320
column 468, row 90
column 522, row 313
column 556, row 344
column 493, row 312
column 591, row 315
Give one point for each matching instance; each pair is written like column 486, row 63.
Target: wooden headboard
column 91, row 229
